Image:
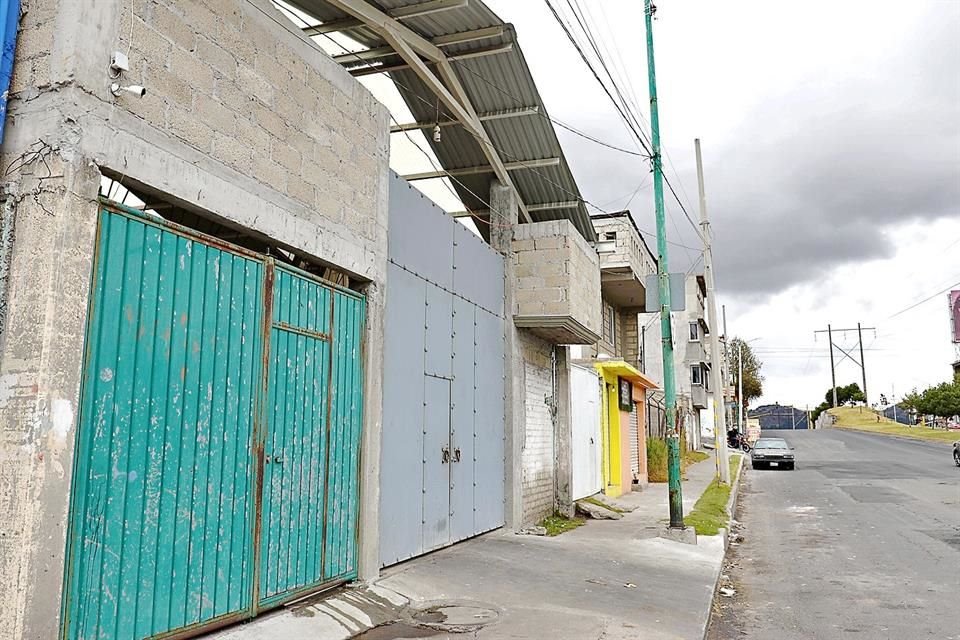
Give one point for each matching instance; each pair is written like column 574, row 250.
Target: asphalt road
column 861, row 541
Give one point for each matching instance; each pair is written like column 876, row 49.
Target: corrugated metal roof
column 493, row 83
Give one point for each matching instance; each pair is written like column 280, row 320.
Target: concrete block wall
column 630, row 336
column 538, row 454
column 629, row 249
column 557, row 273
column 245, row 121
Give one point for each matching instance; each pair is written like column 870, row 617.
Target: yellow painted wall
column 612, row 440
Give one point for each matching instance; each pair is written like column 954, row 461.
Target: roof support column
column 503, row 217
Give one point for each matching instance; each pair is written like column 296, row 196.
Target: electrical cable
column 450, row 118
column 927, row 299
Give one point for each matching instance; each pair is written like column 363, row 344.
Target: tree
column 752, row 380
column 849, row 393
column 943, row 400
column 910, row 401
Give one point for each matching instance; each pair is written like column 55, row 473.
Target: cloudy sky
column 831, row 141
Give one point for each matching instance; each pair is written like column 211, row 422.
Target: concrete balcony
column 698, row 396
column 557, row 293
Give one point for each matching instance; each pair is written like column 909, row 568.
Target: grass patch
column 863, row 419
column 709, row 514
column 656, row 460
column 692, row 457
column 559, row 523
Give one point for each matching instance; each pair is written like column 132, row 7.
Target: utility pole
column 740, row 382
column 719, row 418
column 863, row 366
column 833, row 372
column 846, row 354
column 669, row 384
column 726, row 359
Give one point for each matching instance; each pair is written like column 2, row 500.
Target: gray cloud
column 813, row 179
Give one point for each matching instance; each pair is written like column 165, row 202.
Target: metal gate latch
column 445, row 458
column 456, row 454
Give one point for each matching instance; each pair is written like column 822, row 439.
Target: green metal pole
column 669, row 386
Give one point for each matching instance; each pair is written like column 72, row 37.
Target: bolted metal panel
column 488, row 423
column 478, row 271
column 420, row 235
column 462, row 414
column 401, row 452
column 343, row 438
column 431, row 389
column 436, row 463
column 161, row 503
column 438, row 328
column 295, row 442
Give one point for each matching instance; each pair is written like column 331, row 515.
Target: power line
column 623, row 106
column 927, row 299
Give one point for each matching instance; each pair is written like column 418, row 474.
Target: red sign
column 955, row 315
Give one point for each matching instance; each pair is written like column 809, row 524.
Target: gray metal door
column 463, row 387
column 441, row 475
column 436, row 463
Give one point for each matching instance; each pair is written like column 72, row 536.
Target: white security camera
column 135, row 89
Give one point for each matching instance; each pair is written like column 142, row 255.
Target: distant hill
column 778, row 416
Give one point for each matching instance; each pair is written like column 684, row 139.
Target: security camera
column 135, row 89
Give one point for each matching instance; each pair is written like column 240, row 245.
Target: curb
column 732, row 501
column 731, row 508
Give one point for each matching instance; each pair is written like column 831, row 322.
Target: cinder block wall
column 245, row 120
column 557, row 273
column 629, row 249
column 537, row 456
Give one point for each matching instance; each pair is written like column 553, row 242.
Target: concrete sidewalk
column 606, row 579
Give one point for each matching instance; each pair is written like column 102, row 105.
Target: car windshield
column 771, row 444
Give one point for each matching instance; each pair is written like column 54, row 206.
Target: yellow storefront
column 623, row 426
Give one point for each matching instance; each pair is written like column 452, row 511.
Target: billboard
column 955, row 316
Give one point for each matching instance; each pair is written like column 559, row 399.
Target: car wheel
column 790, row 466
column 755, row 465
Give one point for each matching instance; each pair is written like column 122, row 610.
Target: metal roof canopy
column 458, row 56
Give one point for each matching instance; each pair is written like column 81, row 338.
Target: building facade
column 208, row 262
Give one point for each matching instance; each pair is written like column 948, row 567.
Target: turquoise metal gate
column 311, row 450
column 208, row 486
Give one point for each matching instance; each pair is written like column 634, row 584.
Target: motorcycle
column 956, row 452
column 738, row 441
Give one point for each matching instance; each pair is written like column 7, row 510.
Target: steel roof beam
column 441, row 41
column 401, row 13
column 547, row 206
column 483, row 117
column 472, row 171
column 410, row 46
column 365, row 70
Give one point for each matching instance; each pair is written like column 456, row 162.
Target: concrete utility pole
column 740, row 383
column 669, row 384
column 719, row 417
